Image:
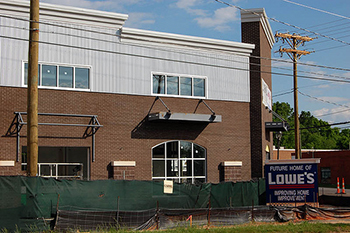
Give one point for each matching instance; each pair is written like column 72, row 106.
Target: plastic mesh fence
column 90, row 220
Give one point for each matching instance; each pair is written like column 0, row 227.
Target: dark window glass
column 199, row 167
column 199, row 87
column 199, row 152
column 49, row 75
column 172, row 168
column 172, row 85
column 158, row 84
column 158, row 168
column 181, row 161
column 172, row 150
column 82, row 78
column 185, row 149
column 65, row 78
column 24, row 159
column 185, row 86
column 325, row 173
column 186, row 167
column 159, row 151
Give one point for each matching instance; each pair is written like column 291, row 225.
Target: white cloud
column 108, row 5
column 324, row 86
column 220, row 20
column 138, row 19
column 331, row 115
column 186, row 4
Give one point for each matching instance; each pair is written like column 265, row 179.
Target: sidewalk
column 332, row 192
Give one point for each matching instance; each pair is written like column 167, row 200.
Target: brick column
column 256, row 30
column 232, row 171
column 123, row 170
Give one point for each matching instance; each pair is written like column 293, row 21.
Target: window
column 181, row 161
column 179, row 85
column 61, row 76
column 325, row 174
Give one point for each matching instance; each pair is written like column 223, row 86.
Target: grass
column 289, row 227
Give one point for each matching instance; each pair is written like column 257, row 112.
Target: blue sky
column 327, row 100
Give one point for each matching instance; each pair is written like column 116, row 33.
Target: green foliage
column 314, row 133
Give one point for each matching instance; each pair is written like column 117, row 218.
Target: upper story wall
column 120, row 60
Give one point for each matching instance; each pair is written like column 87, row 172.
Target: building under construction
column 124, row 103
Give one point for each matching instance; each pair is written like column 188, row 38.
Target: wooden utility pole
column 294, row 42
column 32, row 91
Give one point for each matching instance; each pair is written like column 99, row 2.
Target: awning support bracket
column 91, row 128
column 202, row 101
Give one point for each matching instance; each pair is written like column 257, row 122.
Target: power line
column 173, row 60
column 313, row 8
column 117, row 42
column 333, row 113
column 285, row 93
column 325, row 101
column 284, row 23
column 113, row 34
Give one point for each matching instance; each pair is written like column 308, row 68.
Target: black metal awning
column 276, row 126
column 90, row 131
column 174, row 116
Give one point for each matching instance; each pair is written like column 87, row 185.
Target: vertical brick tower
column 255, row 29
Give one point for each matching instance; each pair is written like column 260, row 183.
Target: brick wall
column 233, row 174
column 125, row 134
column 252, row 32
column 124, row 173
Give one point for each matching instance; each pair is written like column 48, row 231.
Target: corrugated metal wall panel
column 112, row 70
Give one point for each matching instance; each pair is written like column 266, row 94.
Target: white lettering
column 270, row 179
column 310, row 178
column 300, row 178
column 280, row 179
column 291, row 178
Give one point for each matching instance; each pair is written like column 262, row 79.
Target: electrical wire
column 313, row 8
column 117, row 42
column 113, row 34
column 284, row 23
column 325, row 101
column 174, row 60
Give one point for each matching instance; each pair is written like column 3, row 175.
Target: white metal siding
column 119, row 67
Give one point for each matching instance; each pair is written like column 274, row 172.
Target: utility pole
column 32, row 90
column 294, row 42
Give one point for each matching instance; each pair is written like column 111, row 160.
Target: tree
column 314, row 133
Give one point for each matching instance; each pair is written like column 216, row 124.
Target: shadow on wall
column 168, row 130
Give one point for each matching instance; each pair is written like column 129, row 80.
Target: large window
column 181, row 161
column 61, row 76
column 179, row 85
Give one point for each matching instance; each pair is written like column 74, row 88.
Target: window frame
column 192, row 96
column 58, row 65
column 179, row 159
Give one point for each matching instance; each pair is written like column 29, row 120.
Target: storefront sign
column 291, row 180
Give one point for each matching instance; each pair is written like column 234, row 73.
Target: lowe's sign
column 291, row 180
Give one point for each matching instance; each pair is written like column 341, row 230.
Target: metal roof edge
column 259, row 15
column 133, row 35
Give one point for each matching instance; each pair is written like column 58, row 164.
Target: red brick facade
column 252, row 32
column 126, row 135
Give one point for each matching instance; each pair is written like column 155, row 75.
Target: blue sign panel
column 291, row 182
